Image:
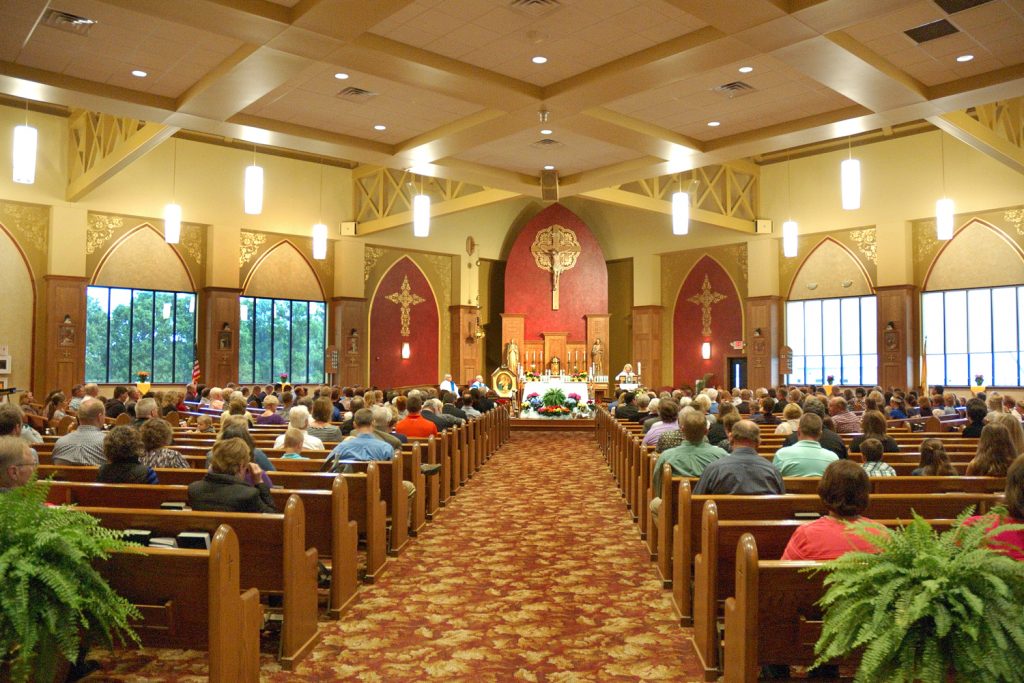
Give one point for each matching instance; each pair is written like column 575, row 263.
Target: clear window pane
column 246, row 312
column 300, row 336
column 96, row 302
column 142, row 333
column 163, row 337
column 282, row 338
column 317, row 340
column 869, row 327
column 869, row 369
column 956, row 323
column 1004, row 319
column 830, row 327
column 957, row 370
column 933, row 318
column 118, row 370
column 1005, row 372
column 979, row 320
column 850, row 315
column 813, row 328
column 184, row 337
column 936, row 369
column 264, row 351
column 981, row 364
column 795, row 327
column 851, row 370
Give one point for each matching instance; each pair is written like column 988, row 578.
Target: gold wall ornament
column 192, row 242
column 1016, row 218
column 866, row 242
column 370, row 257
column 406, row 299
column 30, row 221
column 706, row 299
column 250, row 245
column 555, row 249
column 101, row 229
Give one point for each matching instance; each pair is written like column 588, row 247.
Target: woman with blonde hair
column 270, row 416
column 995, row 453
column 790, row 419
column 1013, row 426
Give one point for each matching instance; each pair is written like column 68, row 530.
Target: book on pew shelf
column 162, row 542
column 196, row 540
column 807, row 515
column 140, row 536
column 172, row 505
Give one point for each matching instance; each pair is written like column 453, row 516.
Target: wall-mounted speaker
column 549, row 185
column 348, row 228
column 762, row 226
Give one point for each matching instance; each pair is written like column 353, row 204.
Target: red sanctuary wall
column 726, row 324
column 582, row 290
column 387, row 369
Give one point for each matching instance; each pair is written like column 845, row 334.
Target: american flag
column 195, row 368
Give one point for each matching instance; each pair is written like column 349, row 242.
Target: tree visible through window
column 131, row 330
column 281, row 336
column 835, row 337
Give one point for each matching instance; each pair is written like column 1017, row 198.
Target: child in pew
column 204, row 425
column 872, row 450
column 1009, row 543
column 934, row 460
column 293, row 444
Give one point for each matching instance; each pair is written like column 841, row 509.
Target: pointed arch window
column 281, row 336
column 837, row 337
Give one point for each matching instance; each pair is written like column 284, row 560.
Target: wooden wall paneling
column 647, row 344
column 898, row 347
column 219, row 305
column 764, row 313
column 533, row 356
column 555, row 346
column 62, row 361
column 465, row 349
column 348, row 333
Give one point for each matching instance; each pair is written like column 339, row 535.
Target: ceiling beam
column 103, row 165
column 612, row 195
column 982, row 138
column 466, row 202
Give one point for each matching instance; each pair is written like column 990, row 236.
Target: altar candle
column 638, row 370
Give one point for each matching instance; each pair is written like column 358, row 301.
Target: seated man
column 977, row 411
column 84, row 446
column 627, row 410
column 414, row 424
column 117, row 405
column 845, row 421
column 805, row 458
column 434, row 411
column 293, row 444
column 829, row 440
column 17, row 464
column 448, row 385
column 744, row 471
column 689, row 458
column 478, row 383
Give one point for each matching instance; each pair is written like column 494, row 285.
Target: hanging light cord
column 321, row 189
column 942, row 160
column 174, row 173
column 789, row 186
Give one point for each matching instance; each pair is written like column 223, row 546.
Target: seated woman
column 995, row 453
column 790, row 419
column 1014, row 427
column 293, row 445
column 766, row 414
column 844, row 490
column 236, row 428
column 56, row 406
column 122, row 449
column 873, row 426
column 1010, row 543
column 934, row 460
column 871, row 449
column 668, row 412
column 224, row 488
column 236, row 406
column 897, row 408
column 270, row 416
column 299, row 419
column 321, row 426
column 156, row 437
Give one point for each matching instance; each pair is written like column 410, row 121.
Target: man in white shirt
column 449, row 385
column 478, row 383
column 84, row 446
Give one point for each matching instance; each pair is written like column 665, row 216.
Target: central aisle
column 534, row 572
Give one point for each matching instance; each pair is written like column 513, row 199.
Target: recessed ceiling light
column 138, row 73
column 746, row 69
column 380, row 126
column 965, row 58
column 714, row 124
column 540, row 60
column 549, row 167
column 341, row 75
column 545, row 131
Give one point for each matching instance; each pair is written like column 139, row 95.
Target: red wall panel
column 726, row 324
column 582, row 290
column 387, row 369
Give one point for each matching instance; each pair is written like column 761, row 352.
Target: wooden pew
column 191, row 599
column 395, row 498
column 274, row 559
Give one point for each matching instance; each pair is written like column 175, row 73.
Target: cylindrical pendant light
column 172, row 223
column 253, row 187
column 25, row 142
column 849, row 172
column 319, row 241
column 421, row 215
column 944, row 219
column 680, row 213
column 789, row 239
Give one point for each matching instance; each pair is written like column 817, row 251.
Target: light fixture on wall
column 421, row 213
column 789, row 228
column 253, row 187
column 24, row 157
column 172, row 212
column 944, row 206
column 705, row 350
column 849, row 177
column 320, row 229
column 405, row 351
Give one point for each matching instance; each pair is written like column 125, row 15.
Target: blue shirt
column 362, row 447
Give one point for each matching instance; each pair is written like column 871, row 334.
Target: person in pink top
column 844, row 489
column 1010, row 543
column 668, row 413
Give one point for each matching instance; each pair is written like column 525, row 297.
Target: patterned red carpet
column 533, row 573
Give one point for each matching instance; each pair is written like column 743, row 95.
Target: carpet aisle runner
column 534, row 572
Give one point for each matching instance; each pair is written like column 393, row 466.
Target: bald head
column 745, row 433
column 91, row 412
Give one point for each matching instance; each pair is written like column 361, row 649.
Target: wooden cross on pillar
column 705, row 300
column 406, row 299
column 555, row 249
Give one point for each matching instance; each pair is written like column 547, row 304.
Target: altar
column 543, row 386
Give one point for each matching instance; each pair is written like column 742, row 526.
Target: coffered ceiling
column 450, row 88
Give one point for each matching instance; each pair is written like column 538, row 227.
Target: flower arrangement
column 979, row 380
column 553, row 411
column 572, row 400
column 532, row 402
column 830, row 379
column 283, row 376
column 531, row 376
column 553, row 397
column 142, row 375
column 580, row 377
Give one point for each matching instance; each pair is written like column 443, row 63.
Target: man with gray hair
column 17, row 463
column 84, row 446
column 743, row 472
column 433, row 410
column 146, row 409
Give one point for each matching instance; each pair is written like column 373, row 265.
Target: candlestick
column 638, row 370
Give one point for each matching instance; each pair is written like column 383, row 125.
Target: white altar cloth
column 541, row 387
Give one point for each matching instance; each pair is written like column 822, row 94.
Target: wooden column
column 764, row 337
column 647, row 345
column 898, row 364
column 466, row 350
column 219, row 364
column 59, row 350
column 348, row 333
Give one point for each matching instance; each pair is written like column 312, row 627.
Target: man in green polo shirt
column 805, row 458
column 689, row 458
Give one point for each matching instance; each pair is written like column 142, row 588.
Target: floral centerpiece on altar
column 979, row 380
column 531, row 376
column 580, row 377
column 143, row 384
column 532, row 402
column 556, row 404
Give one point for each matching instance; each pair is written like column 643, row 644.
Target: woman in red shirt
column 844, row 489
column 1010, row 543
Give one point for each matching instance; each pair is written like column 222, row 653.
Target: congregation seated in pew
column 995, row 452
column 743, row 472
column 225, row 487
column 807, row 457
column 156, row 439
column 1011, row 542
column 934, row 460
column 84, row 446
column 123, row 450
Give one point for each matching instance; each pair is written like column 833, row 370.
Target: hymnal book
column 140, row 536
column 197, row 540
column 162, row 542
column 172, row 505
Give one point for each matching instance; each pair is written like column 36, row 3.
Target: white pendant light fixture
column 849, row 177
column 172, row 212
column 24, row 157
column 789, row 228
column 421, row 214
column 253, row 187
column 944, row 206
column 680, row 210
column 320, row 229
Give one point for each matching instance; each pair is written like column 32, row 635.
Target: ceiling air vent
column 535, row 8
column 734, row 89
column 932, row 31
column 954, row 6
column 65, row 21
column 356, row 94
column 547, row 143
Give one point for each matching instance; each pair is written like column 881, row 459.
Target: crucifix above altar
column 555, row 249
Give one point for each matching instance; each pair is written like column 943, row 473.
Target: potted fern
column 929, row 606
column 52, row 599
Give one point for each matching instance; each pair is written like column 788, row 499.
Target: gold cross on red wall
column 705, row 300
column 406, row 299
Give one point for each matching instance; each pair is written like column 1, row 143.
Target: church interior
column 379, row 194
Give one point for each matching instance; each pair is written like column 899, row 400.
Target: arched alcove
column 17, row 326
column 404, row 287
column 830, row 270
column 706, row 287
column 283, row 272
column 979, row 255
column 143, row 260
